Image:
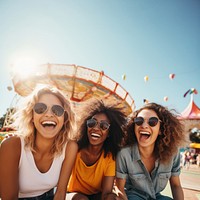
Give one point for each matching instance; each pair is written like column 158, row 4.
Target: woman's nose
column 145, row 123
column 49, row 112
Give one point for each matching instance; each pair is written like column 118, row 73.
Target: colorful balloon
column 165, row 98
column 124, row 77
column 171, row 76
column 146, row 78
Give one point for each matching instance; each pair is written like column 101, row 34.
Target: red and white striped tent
column 191, row 117
column 192, row 111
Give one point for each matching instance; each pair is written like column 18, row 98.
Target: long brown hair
column 172, row 131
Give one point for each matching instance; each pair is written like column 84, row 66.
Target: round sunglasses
column 103, row 125
column 41, row 108
column 152, row 121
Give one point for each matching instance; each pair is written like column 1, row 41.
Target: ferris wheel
column 11, row 110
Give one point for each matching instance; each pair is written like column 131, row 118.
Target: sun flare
column 24, row 67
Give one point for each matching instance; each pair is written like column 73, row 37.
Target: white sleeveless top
column 31, row 181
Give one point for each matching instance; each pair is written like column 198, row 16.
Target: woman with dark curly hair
column 100, row 138
column 152, row 155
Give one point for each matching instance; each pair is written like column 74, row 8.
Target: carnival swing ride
column 77, row 82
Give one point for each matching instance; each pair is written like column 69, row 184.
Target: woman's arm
column 120, row 184
column 177, row 191
column 10, row 151
column 68, row 163
column 107, row 188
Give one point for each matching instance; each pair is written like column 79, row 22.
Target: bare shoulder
column 14, row 140
column 11, row 145
column 72, row 144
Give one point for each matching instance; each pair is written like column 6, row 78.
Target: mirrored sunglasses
column 41, row 108
column 152, row 121
column 103, row 125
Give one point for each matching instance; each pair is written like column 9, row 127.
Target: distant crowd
column 188, row 158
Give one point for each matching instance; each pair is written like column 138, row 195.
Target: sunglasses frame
column 98, row 123
column 149, row 121
column 53, row 109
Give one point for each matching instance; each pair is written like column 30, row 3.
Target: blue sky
column 132, row 37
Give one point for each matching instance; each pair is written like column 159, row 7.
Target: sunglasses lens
column 57, row 110
column 153, row 121
column 91, row 123
column 40, row 108
column 104, row 126
column 139, row 121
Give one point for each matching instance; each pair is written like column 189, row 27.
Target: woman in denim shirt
column 152, row 157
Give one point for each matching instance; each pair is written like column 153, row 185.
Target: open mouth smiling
column 144, row 134
column 95, row 135
column 49, row 124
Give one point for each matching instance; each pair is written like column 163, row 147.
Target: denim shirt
column 130, row 167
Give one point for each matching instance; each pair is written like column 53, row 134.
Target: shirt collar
column 136, row 155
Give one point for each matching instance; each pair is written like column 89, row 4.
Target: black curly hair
column 117, row 117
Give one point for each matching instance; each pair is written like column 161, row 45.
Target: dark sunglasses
column 91, row 123
column 152, row 121
column 41, row 108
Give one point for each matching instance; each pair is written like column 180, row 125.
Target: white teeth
column 96, row 135
column 144, row 132
column 49, row 123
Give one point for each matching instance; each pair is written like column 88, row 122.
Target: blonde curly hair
column 24, row 115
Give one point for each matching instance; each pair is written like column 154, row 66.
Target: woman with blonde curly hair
column 31, row 161
column 154, row 136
